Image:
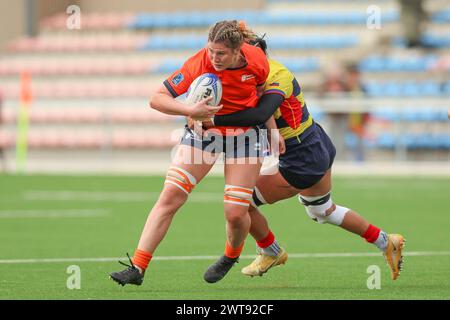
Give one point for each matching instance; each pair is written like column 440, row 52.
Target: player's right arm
column 163, row 101
column 277, row 144
column 177, row 84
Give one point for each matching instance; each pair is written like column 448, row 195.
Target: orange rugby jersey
column 238, row 85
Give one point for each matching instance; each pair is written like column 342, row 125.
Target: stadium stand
column 119, row 59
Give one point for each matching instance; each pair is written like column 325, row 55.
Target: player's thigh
column 322, row 187
column 193, row 160
column 240, row 179
column 273, row 187
column 242, row 173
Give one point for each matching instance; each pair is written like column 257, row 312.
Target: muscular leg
column 181, row 178
column 170, row 200
column 269, row 189
column 272, row 188
column 352, row 222
column 238, row 219
column 391, row 245
column 240, row 180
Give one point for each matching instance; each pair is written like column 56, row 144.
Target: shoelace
column 127, row 265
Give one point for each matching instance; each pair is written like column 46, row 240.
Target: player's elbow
column 154, row 102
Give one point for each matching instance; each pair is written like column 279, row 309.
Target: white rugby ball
column 206, row 85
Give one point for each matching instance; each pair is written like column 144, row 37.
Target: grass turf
column 416, row 207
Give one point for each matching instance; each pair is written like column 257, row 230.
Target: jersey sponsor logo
column 177, row 79
column 246, row 77
column 274, row 84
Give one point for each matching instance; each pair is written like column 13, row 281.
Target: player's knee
column 172, row 198
column 258, row 199
column 238, row 196
column 181, row 179
column 323, row 210
column 252, row 210
column 236, row 218
column 237, row 202
column 178, row 184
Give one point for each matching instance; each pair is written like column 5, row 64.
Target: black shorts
column 252, row 143
column 306, row 160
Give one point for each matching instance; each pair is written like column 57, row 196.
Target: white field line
column 115, row 196
column 179, row 258
column 54, row 213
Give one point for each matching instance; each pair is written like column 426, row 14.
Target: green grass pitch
column 57, row 217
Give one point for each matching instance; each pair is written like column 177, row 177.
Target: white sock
column 382, row 241
column 272, row 250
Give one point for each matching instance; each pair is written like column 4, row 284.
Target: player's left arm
column 267, row 105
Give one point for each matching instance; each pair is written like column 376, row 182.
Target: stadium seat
column 110, row 64
column 442, row 16
column 386, row 140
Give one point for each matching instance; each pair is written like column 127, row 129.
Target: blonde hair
column 232, row 33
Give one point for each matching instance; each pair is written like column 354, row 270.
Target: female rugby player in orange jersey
column 242, row 68
column 304, row 170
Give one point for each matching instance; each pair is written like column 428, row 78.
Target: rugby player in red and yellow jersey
column 242, row 68
column 304, row 169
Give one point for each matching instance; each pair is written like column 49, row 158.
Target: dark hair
column 260, row 42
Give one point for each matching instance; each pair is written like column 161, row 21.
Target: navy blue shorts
column 306, row 161
column 252, row 143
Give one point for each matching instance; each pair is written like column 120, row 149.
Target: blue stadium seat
column 411, row 115
column 386, row 140
column 442, row 115
column 167, row 66
column 409, row 141
column 441, row 16
column 372, row 89
column 141, row 21
column 392, row 89
column 390, row 16
column 446, row 88
column 253, row 17
column 371, row 64
column 430, row 88
column 386, row 113
column 406, row 88
column 351, row 140
column 436, row 40
column 377, row 63
column 316, row 112
column 289, row 42
column 444, row 140
column 301, row 65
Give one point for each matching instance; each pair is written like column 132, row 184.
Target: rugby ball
column 206, row 85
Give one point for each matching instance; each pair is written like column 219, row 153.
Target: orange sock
column 142, row 259
column 231, row 252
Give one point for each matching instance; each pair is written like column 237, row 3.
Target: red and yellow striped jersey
column 292, row 117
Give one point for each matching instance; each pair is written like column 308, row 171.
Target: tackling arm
column 265, row 108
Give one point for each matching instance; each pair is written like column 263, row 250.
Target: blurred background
column 76, row 78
